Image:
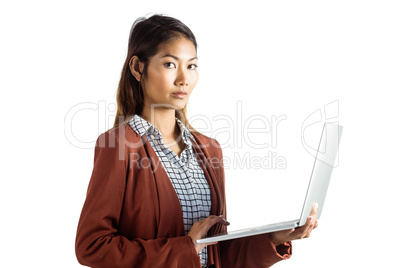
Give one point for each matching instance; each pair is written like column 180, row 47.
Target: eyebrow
column 177, row 58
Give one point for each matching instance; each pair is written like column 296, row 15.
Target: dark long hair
column 146, row 36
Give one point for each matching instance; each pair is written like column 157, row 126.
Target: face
column 171, row 75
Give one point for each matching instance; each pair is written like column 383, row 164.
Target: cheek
column 195, row 77
column 158, row 81
column 194, row 81
column 165, row 77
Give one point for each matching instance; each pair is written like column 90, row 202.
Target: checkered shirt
column 184, row 172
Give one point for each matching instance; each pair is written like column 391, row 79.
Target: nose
column 181, row 79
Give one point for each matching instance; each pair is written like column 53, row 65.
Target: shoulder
column 122, row 134
column 204, row 140
column 207, row 144
column 121, row 141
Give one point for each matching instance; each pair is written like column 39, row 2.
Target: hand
column 281, row 237
column 200, row 229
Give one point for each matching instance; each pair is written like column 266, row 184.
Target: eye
column 193, row 66
column 169, row 65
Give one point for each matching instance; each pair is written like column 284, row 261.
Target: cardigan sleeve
column 254, row 251
column 251, row 252
column 98, row 243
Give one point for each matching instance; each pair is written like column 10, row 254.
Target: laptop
column 316, row 191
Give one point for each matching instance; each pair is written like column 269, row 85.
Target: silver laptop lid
column 321, row 174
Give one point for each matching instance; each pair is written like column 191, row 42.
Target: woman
column 158, row 185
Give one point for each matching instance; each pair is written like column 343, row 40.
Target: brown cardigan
column 132, row 216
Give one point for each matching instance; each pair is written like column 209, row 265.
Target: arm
column 98, row 243
column 254, row 251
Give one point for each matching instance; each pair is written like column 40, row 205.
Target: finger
column 296, row 234
column 314, row 219
column 219, row 219
column 313, row 214
column 224, row 221
column 212, row 220
column 309, row 231
column 201, row 228
column 302, row 231
column 310, row 228
column 314, row 210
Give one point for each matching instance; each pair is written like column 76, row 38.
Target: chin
column 179, row 104
column 171, row 105
column 179, row 107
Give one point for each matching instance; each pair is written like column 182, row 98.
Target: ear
column 136, row 67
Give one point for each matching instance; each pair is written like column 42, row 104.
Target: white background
column 278, row 58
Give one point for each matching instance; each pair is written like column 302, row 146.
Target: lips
column 179, row 94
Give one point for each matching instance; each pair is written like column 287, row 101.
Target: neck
column 163, row 119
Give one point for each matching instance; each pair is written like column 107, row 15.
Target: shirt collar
column 185, row 133
column 141, row 126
